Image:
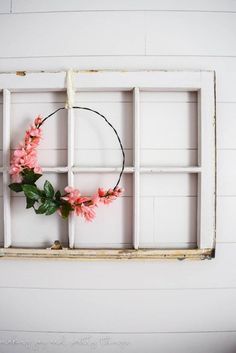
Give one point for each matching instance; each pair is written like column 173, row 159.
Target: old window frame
column 202, row 82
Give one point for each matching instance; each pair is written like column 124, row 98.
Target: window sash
column 203, row 82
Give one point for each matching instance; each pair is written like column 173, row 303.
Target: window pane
column 112, row 227
column 95, row 142
column 38, row 231
column 168, row 128
column 25, row 106
column 168, row 211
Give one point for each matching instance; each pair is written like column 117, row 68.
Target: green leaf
column 58, row 195
column 52, row 209
column 29, row 176
column 65, row 209
column 17, row 187
column 42, row 208
column 31, row 191
column 29, row 202
column 48, row 207
column 48, row 189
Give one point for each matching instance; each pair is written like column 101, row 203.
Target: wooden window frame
column 202, row 82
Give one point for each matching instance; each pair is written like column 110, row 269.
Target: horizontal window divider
column 101, row 169
column 118, row 169
column 170, row 169
column 55, row 169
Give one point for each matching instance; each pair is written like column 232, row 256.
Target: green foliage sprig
column 45, row 201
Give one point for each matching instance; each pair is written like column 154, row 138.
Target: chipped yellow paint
column 20, row 73
column 108, row 254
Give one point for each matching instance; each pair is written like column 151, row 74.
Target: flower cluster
column 85, row 206
column 25, row 156
column 25, row 171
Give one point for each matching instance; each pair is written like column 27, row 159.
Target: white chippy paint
column 156, row 81
column 6, row 160
column 136, row 152
column 70, row 162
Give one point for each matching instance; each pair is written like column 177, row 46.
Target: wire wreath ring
column 25, row 171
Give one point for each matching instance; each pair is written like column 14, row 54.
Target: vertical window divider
column 206, row 158
column 6, row 162
column 70, row 174
column 136, row 160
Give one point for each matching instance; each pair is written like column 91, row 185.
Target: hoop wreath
column 25, row 171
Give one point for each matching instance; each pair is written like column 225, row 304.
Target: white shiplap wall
column 59, row 306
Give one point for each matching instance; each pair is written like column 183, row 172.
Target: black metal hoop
column 115, row 131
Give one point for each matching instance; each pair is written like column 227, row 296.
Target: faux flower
column 25, row 171
column 85, row 206
column 25, row 156
column 110, row 195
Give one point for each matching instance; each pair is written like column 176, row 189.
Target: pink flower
column 15, row 171
column 25, row 156
column 106, row 197
column 72, row 195
column 35, row 132
column 101, row 192
column 38, row 170
column 84, row 206
column 87, row 212
column 20, row 153
column 38, row 120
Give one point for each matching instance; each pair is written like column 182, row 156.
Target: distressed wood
column 136, row 180
column 100, row 80
column 6, row 160
column 109, row 254
column 70, row 162
column 143, row 81
column 206, row 159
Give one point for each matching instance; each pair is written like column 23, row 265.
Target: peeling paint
column 109, row 254
column 21, row 73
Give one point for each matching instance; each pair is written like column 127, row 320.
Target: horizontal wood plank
column 94, row 33
column 186, row 37
column 130, row 5
column 173, row 25
column 187, row 308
